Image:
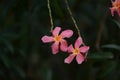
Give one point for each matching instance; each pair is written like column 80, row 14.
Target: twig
column 71, row 15
column 50, row 15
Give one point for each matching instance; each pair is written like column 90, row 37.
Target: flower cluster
column 115, row 7
column 59, row 43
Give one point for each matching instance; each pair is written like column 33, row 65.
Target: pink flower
column 58, row 39
column 115, row 7
column 78, row 51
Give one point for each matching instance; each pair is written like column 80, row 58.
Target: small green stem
column 71, row 15
column 50, row 15
column 74, row 21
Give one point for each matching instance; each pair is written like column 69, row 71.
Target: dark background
column 23, row 56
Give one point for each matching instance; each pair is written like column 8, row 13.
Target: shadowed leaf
column 100, row 55
column 112, row 46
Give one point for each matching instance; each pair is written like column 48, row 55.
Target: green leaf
column 113, row 46
column 100, row 55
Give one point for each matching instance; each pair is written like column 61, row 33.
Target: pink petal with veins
column 78, row 42
column 70, row 49
column 63, row 45
column 79, row 58
column 112, row 11
column 84, row 49
column 56, row 31
column 66, row 34
column 69, row 58
column 55, row 47
column 47, row 39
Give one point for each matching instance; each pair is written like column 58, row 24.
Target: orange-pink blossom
column 58, row 39
column 78, row 51
column 115, row 7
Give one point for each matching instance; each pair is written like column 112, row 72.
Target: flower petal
column 69, row 58
column 70, row 49
column 78, row 42
column 63, row 45
column 79, row 58
column 47, row 39
column 84, row 49
column 66, row 34
column 56, row 31
column 112, row 11
column 55, row 47
column 118, row 1
column 118, row 11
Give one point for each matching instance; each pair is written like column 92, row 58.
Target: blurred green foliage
column 23, row 56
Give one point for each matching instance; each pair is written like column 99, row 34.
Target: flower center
column 116, row 5
column 76, row 51
column 57, row 38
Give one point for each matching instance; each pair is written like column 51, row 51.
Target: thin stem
column 50, row 15
column 74, row 21
column 99, row 35
column 100, row 31
column 71, row 15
